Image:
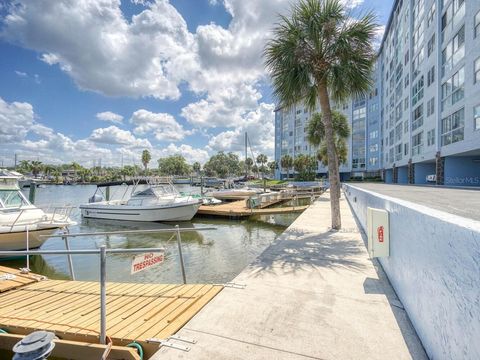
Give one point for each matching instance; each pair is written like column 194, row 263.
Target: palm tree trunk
column 333, row 173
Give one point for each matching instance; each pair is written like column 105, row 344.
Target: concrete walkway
column 313, row 294
column 458, row 201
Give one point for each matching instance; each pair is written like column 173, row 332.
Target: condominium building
column 421, row 122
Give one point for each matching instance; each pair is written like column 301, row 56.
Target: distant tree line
column 221, row 164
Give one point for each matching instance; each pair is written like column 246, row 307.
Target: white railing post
column 103, row 294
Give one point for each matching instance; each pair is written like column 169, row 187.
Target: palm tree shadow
column 299, row 250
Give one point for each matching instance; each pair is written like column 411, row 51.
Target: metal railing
column 102, row 251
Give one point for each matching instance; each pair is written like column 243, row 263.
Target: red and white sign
column 146, row 261
column 380, row 233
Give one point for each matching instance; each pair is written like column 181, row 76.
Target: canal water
column 214, row 256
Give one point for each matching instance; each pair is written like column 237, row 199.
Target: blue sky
column 104, row 79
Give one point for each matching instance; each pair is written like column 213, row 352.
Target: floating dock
column 238, row 209
column 71, row 309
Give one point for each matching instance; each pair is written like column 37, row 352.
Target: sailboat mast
column 246, row 167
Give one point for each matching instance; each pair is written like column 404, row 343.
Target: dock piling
column 180, row 254
column 69, row 256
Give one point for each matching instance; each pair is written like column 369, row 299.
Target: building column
column 439, row 169
column 395, row 174
column 411, row 172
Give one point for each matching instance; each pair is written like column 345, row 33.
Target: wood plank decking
column 18, row 279
column 239, row 209
column 71, row 309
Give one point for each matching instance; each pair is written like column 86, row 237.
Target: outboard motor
column 95, row 198
column 35, row 346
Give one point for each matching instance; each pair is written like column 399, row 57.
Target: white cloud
column 188, row 152
column 112, row 135
column 110, row 116
column 21, row 73
column 162, row 125
column 223, row 106
column 258, row 124
column 114, row 55
column 16, row 119
column 150, row 55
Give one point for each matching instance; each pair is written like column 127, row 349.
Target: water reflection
column 214, row 256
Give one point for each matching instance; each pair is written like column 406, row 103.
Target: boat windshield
column 157, row 191
column 12, row 199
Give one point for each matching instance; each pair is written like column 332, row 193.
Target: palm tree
column 317, row 54
column 36, row 167
column 196, row 167
column 24, row 166
column 286, row 162
column 248, row 164
column 146, row 157
column 316, row 136
column 272, row 165
column 262, row 160
column 76, row 168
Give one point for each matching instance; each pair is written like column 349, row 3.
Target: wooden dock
column 71, row 309
column 238, row 209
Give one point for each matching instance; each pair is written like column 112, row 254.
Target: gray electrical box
column 378, row 232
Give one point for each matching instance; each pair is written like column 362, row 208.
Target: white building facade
column 421, row 122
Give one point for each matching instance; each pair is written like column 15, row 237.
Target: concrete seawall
column 434, row 267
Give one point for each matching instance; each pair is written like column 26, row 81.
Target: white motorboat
column 18, row 217
column 159, row 201
column 233, row 194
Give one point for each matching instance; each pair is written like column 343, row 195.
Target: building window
column 476, row 117
column 431, row 137
column 407, row 80
column 431, row 76
column 431, row 45
column 417, row 91
column 417, row 61
column 477, row 25
column 454, row 51
column 405, row 126
column 431, row 106
column 453, row 89
column 455, row 11
column 373, row 134
column 431, row 15
column 405, row 104
column 398, row 132
column 398, row 152
column 453, row 127
column 373, row 148
column 476, row 71
column 417, row 143
column 373, row 161
column 417, row 119
column 405, row 149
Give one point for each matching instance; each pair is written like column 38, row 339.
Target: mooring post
column 69, row 256
column 31, row 192
column 103, row 294
column 180, row 254
column 28, row 247
column 107, row 193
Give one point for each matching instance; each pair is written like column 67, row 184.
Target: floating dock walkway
column 71, row 309
column 238, row 209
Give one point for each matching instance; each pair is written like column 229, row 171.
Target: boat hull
column 177, row 212
column 18, row 240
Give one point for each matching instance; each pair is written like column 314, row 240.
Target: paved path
column 461, row 202
column 313, row 294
